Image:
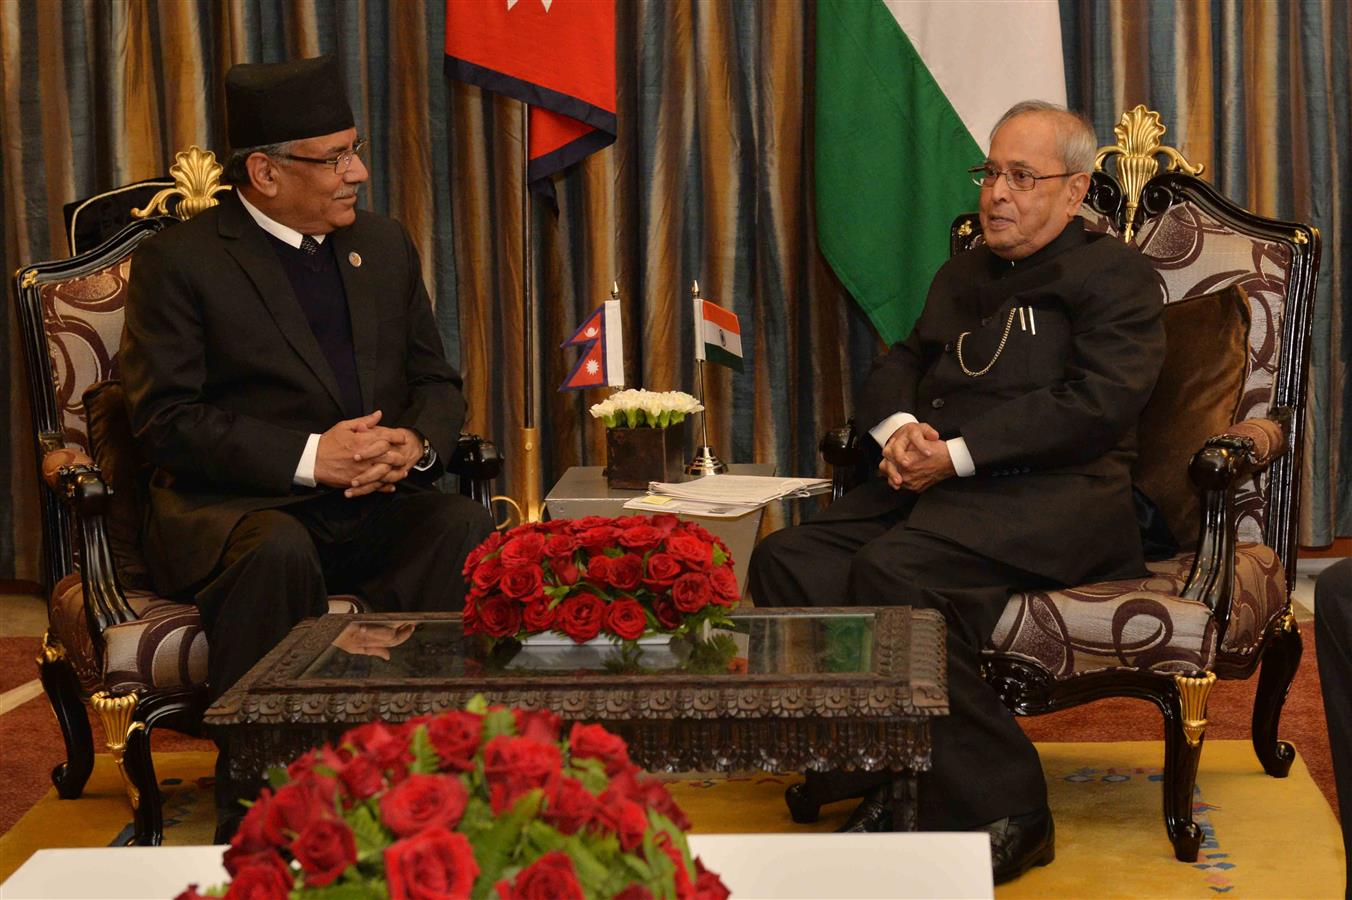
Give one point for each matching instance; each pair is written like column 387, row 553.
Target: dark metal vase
column 636, row 456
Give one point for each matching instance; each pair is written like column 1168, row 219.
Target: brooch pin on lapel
column 355, row 258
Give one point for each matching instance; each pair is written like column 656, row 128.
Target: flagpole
column 705, row 461
column 530, row 434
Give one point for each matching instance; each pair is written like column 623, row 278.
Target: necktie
column 309, row 244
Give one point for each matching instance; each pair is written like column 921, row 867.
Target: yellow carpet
column 1265, row 837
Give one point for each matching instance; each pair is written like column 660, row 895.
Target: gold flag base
column 705, row 462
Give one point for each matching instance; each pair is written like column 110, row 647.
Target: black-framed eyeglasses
column 340, row 163
column 1017, row 179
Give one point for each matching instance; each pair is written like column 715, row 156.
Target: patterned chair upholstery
column 1221, row 608
column 138, row 659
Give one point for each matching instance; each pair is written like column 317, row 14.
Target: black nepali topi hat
column 268, row 103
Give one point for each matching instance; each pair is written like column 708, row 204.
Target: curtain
column 1258, row 90
column 710, row 179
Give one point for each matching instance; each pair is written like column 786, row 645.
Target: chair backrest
column 1199, row 242
column 70, row 317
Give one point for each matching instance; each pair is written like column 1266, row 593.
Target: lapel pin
column 355, row 258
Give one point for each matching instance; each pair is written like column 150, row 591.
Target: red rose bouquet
column 484, row 803
column 622, row 578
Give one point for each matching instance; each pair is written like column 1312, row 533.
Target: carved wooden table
column 781, row 690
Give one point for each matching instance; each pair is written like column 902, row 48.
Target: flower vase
column 637, row 456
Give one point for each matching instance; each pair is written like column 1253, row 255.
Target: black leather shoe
column 1020, row 842
column 873, row 814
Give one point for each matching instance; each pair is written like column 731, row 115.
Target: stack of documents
column 724, row 496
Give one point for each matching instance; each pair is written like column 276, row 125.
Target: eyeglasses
column 1017, row 179
column 340, row 163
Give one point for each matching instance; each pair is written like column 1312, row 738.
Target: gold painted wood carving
column 197, row 179
column 1192, row 698
column 116, row 712
column 1138, row 143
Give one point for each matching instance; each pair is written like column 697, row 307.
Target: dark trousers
column 399, row 552
column 984, row 767
column 1333, row 646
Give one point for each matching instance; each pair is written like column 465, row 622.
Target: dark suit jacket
column 225, row 380
column 1051, row 427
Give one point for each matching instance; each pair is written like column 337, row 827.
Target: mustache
column 345, row 193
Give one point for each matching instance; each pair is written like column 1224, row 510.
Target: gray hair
column 237, row 172
column 1075, row 137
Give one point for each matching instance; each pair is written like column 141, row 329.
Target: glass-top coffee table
column 780, row 690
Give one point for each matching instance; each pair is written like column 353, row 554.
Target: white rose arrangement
column 645, row 409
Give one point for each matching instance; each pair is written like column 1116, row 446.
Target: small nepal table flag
column 602, row 362
column 718, row 336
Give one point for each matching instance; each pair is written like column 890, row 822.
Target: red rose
column 469, row 616
column 596, row 570
column 708, row 886
column 573, row 807
column 488, row 573
column 551, row 877
column 565, row 571
column 537, row 724
column 190, row 893
column 514, row 766
column 665, row 523
column 599, row 538
column 489, row 544
column 690, row 551
column 561, row 546
column 684, row 886
column 667, row 614
column 539, row 616
column 433, row 865
column 265, row 876
column 522, row 582
column 582, row 524
column 623, row 572
column 455, row 736
column 626, row 619
column 523, row 550
column 663, row 570
column 640, row 538
column 324, row 850
column 387, row 747
column 580, row 617
column 634, row 891
column 362, row 777
column 724, row 584
column 423, row 801
column 691, row 592
column 500, row 617
column 629, row 820
column 654, row 795
column 296, row 805
column 594, row 742
column 252, row 834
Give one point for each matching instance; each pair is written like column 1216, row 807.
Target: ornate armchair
column 138, row 659
column 1229, row 412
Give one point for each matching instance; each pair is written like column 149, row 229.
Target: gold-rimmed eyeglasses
column 1017, row 179
column 340, row 163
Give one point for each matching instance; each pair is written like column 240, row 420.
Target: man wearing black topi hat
column 285, row 378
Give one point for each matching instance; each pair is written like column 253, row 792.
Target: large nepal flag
column 558, row 56
column 907, row 92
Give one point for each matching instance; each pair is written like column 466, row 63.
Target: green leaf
column 719, row 556
column 592, row 774
column 346, row 890
column 497, row 723
column 370, row 836
column 496, row 848
column 477, row 705
column 425, row 759
column 277, row 777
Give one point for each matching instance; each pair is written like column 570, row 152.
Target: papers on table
column 724, row 496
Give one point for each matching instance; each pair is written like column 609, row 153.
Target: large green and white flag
column 907, row 93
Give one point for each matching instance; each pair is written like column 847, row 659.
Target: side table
column 582, row 491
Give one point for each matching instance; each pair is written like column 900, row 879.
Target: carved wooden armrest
column 842, row 452
column 478, row 462
column 1226, row 460
column 83, row 489
column 53, row 460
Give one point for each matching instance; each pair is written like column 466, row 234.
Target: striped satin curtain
column 1258, row 90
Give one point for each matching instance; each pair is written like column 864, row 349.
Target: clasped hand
column 362, row 456
column 915, row 458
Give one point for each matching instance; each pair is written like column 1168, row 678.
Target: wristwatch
column 428, row 458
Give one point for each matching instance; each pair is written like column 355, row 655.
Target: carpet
column 1264, row 837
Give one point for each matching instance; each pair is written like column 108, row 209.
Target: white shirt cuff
column 961, row 457
column 883, row 430
column 305, row 469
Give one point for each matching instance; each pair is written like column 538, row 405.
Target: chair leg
column 129, row 743
column 63, row 693
column 1281, row 658
column 1184, row 730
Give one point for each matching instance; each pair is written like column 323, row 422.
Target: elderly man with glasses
column 286, row 380
column 1006, row 426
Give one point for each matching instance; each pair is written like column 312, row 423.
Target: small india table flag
column 718, row 337
column 602, row 361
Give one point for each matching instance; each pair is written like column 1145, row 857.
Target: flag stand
column 705, row 460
